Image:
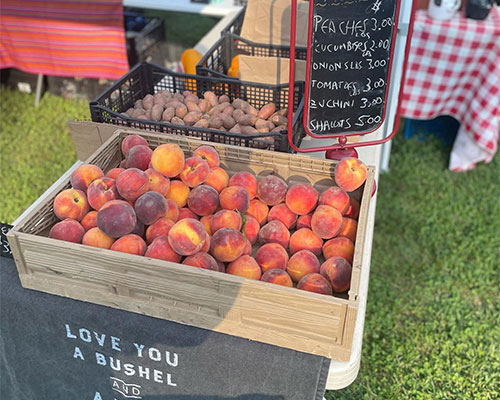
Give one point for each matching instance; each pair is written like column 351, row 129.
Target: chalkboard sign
column 5, row 250
column 349, row 63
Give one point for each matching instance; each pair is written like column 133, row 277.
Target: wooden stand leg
column 39, row 83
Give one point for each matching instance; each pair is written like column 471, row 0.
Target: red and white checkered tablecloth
column 454, row 69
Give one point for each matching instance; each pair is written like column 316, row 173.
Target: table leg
column 39, row 83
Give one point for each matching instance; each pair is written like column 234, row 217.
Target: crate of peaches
column 242, row 241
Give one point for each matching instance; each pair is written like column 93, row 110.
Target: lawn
column 433, row 317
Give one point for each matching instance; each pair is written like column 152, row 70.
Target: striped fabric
column 73, row 38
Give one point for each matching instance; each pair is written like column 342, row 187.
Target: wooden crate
column 256, row 310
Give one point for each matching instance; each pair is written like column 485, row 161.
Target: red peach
column 272, row 190
column 178, row 192
column 168, row 159
column 89, row 221
column 209, row 154
column 282, row 213
column 203, row 200
column 187, row 236
column 131, row 244
column 116, row 218
column 305, row 239
column 68, row 230
column 302, row 263
column 338, row 272
column 227, row 244
column 248, row 248
column 114, row 172
column 275, row 232
column 130, row 141
column 185, row 212
column 335, row 197
column 206, row 246
column 304, row 221
column 225, row 219
column 138, row 157
column 83, row 176
column 278, row 277
column 172, row 210
column 348, row 229
column 353, row 210
column 150, row 207
column 271, row 256
column 259, row 210
column 234, row 198
column 246, row 180
column 217, row 178
column 71, row 203
column 245, row 266
column 301, row 198
column 97, row 238
column 350, row 173
column 195, row 171
column 251, row 229
column 326, row 222
column 316, row 283
column 101, row 191
column 339, row 247
column 139, row 229
column 202, row 260
column 132, row 183
column 221, row 267
column 160, row 249
column 206, row 221
column 158, row 182
column 159, row 228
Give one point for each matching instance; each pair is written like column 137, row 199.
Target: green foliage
column 35, row 147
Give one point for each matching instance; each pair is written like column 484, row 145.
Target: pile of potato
column 213, row 112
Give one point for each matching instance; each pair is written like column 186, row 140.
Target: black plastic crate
column 148, row 78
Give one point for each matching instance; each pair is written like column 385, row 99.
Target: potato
column 211, row 97
column 129, row 112
column 148, row 113
column 166, row 94
column 227, row 121
column 215, row 122
column 283, row 112
column 202, row 123
column 279, row 120
column 264, row 129
column 222, row 129
column 179, row 97
column 261, row 123
column 159, row 99
column 238, row 114
column 206, row 116
column 156, row 112
column 192, row 106
column 187, row 93
column 173, row 103
column 224, row 99
column 137, row 112
column 248, row 130
column 191, row 99
column 204, row 105
column 218, row 109
column 247, row 120
column 238, row 104
column 138, row 104
column 228, row 110
column 181, row 111
column 148, row 101
column 192, row 117
column 168, row 114
column 248, row 109
column 236, row 129
column 142, row 116
column 279, row 128
column 177, row 120
column 266, row 111
column 270, row 125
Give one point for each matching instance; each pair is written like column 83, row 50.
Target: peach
column 282, row 213
column 316, row 283
column 187, row 236
column 350, row 173
column 338, row 272
column 275, row 232
column 304, row 221
column 225, row 219
column 305, row 239
column 83, row 176
column 353, row 210
column 114, row 172
column 272, row 190
column 206, row 221
column 246, row 180
column 227, row 244
column 158, row 182
column 259, row 210
column 209, row 154
column 159, row 228
column 202, row 260
column 132, row 140
column 339, row 247
column 160, row 249
column 69, row 230
column 172, row 210
column 278, row 277
column 248, row 248
column 251, row 229
column 138, row 157
column 139, row 229
column 221, row 267
column 335, row 197
column 89, row 221
column 206, row 246
column 217, row 178
column 132, row 183
column 195, row 171
column 234, row 198
column 302, row 263
column 150, row 207
column 185, row 212
column 116, row 218
column 245, row 266
column 97, row 238
column 168, row 159
column 326, row 222
column 71, row 203
column 101, row 191
column 178, row 192
column 271, row 256
column 301, row 198
column 348, row 229
column 203, row 200
column 131, row 244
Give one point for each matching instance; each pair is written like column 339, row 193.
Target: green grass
column 432, row 326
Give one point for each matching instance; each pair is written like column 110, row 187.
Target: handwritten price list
column 350, row 57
